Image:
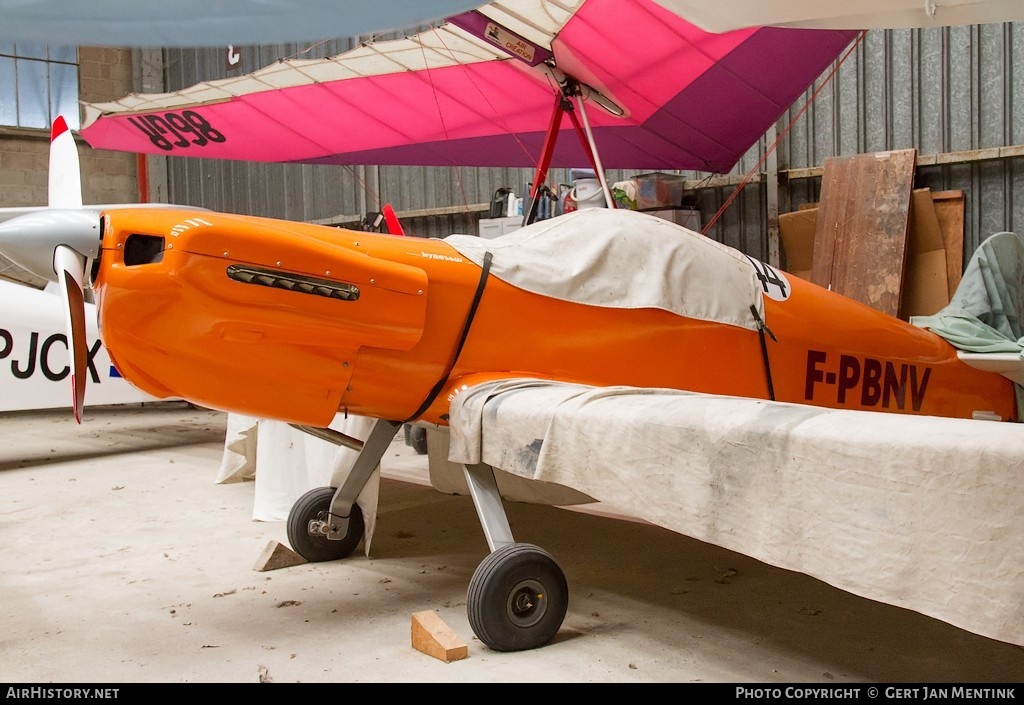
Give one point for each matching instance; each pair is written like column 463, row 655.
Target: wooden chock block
column 434, row 638
column 277, row 555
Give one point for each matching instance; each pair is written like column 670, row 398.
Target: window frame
column 32, row 108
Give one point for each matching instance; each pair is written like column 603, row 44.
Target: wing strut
column 563, row 106
column 595, row 158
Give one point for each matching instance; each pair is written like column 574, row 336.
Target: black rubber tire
column 418, row 439
column 517, row 598
column 315, row 504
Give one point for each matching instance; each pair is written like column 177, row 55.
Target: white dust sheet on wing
column 924, row 513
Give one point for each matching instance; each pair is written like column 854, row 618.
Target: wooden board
column 949, row 208
column 860, row 239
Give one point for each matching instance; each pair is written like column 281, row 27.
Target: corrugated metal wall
column 948, row 92
column 951, row 93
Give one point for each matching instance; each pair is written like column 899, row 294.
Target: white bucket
column 587, row 193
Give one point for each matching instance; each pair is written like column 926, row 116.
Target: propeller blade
column 70, row 269
column 65, row 182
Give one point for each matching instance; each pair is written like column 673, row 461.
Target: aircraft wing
column 480, row 90
column 192, row 23
column 1010, row 365
column 34, row 369
column 861, row 500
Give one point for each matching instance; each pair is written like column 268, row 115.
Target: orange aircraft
column 299, row 322
column 377, row 325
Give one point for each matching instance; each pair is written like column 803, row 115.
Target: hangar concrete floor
column 124, row 562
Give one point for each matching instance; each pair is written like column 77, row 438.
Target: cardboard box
column 797, row 232
column 949, row 208
column 687, row 217
column 925, row 281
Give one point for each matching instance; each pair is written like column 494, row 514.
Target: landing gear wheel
column 316, row 548
column 419, row 440
column 416, row 438
column 517, row 598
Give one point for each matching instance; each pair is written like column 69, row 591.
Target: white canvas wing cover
column 921, row 512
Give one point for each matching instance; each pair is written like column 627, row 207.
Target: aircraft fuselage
column 296, row 322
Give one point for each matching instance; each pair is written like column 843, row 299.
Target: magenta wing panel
column 691, row 100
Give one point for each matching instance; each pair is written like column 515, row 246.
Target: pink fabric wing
column 691, row 99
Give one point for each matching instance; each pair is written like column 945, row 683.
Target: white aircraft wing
column 34, row 369
column 925, row 513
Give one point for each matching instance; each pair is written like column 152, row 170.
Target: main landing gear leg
column 326, row 524
column 518, row 595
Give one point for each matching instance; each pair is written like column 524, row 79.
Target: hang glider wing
column 479, row 91
column 191, row 23
column 727, row 15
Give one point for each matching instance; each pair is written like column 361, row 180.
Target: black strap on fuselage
column 761, row 330
column 462, row 340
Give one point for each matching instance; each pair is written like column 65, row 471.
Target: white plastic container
column 587, row 193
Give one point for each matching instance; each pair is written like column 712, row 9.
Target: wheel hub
column 526, row 604
column 319, row 527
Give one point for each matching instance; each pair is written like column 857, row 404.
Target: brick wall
column 107, row 177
